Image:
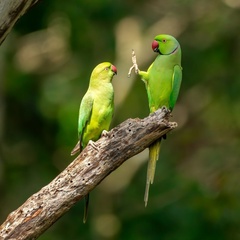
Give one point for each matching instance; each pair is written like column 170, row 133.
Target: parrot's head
column 165, row 44
column 104, row 72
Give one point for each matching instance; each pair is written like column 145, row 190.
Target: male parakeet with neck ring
column 162, row 80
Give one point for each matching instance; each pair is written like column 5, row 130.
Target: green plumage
column 96, row 109
column 162, row 80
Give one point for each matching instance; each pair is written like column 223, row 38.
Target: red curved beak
column 155, row 46
column 114, row 69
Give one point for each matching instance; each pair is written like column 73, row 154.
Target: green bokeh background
column 45, row 64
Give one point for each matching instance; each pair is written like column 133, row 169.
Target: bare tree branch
column 10, row 12
column 43, row 208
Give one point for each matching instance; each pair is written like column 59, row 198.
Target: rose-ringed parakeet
column 96, row 110
column 162, row 80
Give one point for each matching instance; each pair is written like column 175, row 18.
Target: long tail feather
column 86, row 198
column 154, row 151
column 78, row 148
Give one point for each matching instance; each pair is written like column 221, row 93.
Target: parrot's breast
column 101, row 117
column 159, row 88
column 160, row 82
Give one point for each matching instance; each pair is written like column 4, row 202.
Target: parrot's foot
column 104, row 133
column 165, row 109
column 134, row 66
column 92, row 143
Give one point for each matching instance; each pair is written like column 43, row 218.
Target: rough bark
column 89, row 168
column 10, row 12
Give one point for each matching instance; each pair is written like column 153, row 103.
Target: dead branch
column 43, row 208
column 10, row 12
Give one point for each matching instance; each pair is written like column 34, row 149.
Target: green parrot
column 96, row 110
column 162, row 80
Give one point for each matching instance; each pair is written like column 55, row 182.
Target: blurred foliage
column 45, row 66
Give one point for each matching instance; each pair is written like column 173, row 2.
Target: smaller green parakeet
column 96, row 110
column 162, row 80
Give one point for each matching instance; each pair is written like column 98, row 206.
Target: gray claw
column 92, row 143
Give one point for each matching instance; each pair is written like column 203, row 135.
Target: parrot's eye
column 164, row 40
column 107, row 68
